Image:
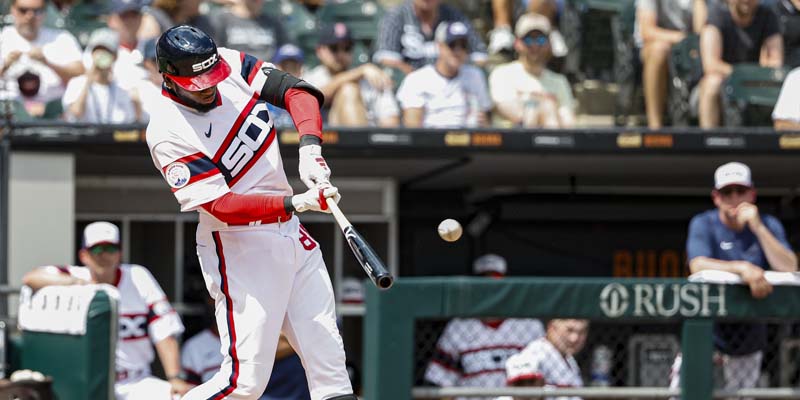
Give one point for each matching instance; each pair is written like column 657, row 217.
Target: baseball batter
column 145, row 315
column 214, row 142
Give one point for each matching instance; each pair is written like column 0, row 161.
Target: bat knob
column 384, row 281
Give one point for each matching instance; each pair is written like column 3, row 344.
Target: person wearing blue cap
column 360, row 96
column 449, row 93
column 289, row 58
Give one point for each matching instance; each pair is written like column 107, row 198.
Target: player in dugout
column 145, row 314
column 214, row 142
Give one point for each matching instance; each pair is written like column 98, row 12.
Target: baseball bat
column 369, row 260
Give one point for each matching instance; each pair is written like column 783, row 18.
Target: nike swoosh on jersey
column 208, row 134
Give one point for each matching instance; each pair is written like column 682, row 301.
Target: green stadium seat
column 300, row 25
column 361, row 16
column 750, row 93
column 627, row 65
column 15, row 109
column 685, row 71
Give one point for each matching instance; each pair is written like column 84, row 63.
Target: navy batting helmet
column 189, row 57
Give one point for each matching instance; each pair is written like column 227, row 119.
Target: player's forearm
column 38, row 279
column 78, row 108
column 779, row 257
column 169, row 354
column 698, row 264
column 238, row 209
column 304, row 109
column 336, row 83
column 67, row 72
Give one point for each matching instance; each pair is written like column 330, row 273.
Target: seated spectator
column 538, row 97
column 164, row 14
column 95, row 97
column 360, row 96
column 473, row 352
column 406, row 35
column 788, row 12
column 662, row 24
column 243, row 26
column 450, row 93
column 37, row 62
column 289, row 58
column 146, row 93
column 145, row 315
column 741, row 31
column 201, row 359
column 126, row 19
column 786, row 115
column 550, row 361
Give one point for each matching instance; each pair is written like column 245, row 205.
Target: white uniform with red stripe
column 145, row 317
column 541, row 360
column 267, row 276
column 472, row 352
column 200, row 356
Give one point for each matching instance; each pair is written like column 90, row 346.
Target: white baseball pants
column 267, row 279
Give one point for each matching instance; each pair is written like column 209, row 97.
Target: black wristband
column 310, row 139
column 287, row 204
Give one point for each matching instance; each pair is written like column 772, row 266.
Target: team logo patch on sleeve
column 177, row 175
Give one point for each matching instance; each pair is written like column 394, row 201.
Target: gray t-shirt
column 670, row 14
column 259, row 37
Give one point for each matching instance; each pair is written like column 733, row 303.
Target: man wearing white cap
column 145, row 314
column 736, row 238
column 472, row 352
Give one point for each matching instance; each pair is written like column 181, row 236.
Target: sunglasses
column 35, row 11
column 729, row 190
column 539, row 40
column 458, row 44
column 104, row 248
column 341, row 48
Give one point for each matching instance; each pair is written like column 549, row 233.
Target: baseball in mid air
column 450, row 230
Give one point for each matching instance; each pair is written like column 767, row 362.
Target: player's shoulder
column 164, row 125
column 230, row 55
column 138, row 273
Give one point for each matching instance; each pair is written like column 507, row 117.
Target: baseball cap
column 105, row 38
column 100, row 232
column 120, row 6
column 449, row 32
column 732, row 173
column 532, row 22
column 288, row 52
column 489, row 264
column 519, row 366
column 334, row 33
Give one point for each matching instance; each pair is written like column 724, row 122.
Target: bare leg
column 710, row 87
column 347, row 107
column 655, row 56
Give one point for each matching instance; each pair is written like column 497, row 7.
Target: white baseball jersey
column 266, row 277
column 231, row 148
column 145, row 314
column 472, row 352
column 541, row 359
column 200, row 355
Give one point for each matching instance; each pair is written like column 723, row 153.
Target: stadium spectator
column 201, row 359
column 243, row 26
column 501, row 37
column 37, row 62
column 126, row 19
column 736, row 237
column 145, row 314
column 288, row 58
column 164, row 14
column 146, row 93
column 538, row 97
column 95, row 97
column 359, row 96
column 449, row 93
column 788, row 12
column 550, row 361
column 406, row 35
column 473, row 352
column 741, row 31
column 786, row 115
column 662, row 24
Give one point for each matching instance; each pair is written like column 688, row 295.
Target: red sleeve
column 304, row 109
column 240, row 209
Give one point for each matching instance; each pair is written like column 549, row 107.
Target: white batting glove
column 314, row 199
column 314, row 171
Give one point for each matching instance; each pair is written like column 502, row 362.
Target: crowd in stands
column 425, row 63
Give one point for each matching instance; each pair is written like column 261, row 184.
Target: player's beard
column 203, row 108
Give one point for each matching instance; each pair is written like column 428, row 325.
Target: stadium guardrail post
column 696, row 368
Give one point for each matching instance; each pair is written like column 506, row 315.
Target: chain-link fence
column 476, row 353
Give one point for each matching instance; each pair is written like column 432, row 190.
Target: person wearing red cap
column 214, row 141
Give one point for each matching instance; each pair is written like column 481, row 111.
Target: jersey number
column 306, row 240
column 248, row 140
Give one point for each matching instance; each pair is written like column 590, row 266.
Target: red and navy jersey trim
column 200, row 167
column 250, row 67
column 233, row 379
